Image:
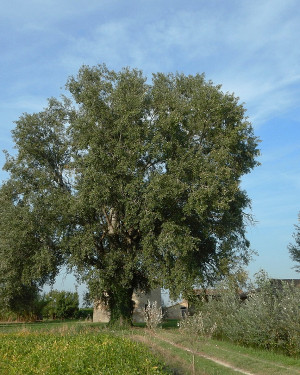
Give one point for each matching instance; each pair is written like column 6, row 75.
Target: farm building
column 181, row 309
column 101, row 312
column 177, row 311
column 279, row 282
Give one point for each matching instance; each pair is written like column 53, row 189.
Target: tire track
column 199, row 354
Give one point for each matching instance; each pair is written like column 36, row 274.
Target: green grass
column 49, row 325
column 83, row 348
column 170, row 323
column 249, row 359
column 187, row 363
column 74, row 352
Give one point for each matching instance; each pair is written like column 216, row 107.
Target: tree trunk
column 121, row 306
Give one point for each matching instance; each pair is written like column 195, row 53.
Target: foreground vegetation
column 91, row 348
column 74, row 351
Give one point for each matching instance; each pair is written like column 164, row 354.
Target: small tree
column 153, row 315
column 28, row 252
column 61, row 304
column 21, row 301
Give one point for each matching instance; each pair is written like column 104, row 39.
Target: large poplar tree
column 136, row 185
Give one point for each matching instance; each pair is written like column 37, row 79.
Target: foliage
column 81, row 354
column 24, row 303
column 294, row 249
column 28, row 260
column 199, row 324
column 134, row 185
column 87, row 300
column 85, row 313
column 61, row 305
column 153, row 315
column 269, row 318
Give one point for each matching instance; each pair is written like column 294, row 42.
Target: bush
column 61, row 305
column 153, row 315
column 23, row 304
column 85, row 314
column 199, row 324
column 269, row 318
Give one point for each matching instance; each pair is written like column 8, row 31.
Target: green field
column 74, row 348
column 193, row 355
column 74, row 351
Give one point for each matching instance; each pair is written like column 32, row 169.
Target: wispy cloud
column 251, row 48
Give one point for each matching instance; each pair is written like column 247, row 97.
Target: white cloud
column 249, row 47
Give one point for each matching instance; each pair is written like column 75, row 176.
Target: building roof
column 295, row 282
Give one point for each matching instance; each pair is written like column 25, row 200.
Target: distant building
column 181, row 309
column 101, row 311
column 295, row 282
column 277, row 283
column 177, row 311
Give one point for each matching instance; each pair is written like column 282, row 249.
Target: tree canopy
column 294, row 249
column 134, row 185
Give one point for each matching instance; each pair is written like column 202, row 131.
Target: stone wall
column 101, row 312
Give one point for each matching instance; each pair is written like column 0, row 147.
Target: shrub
column 61, row 304
column 269, row 318
column 153, row 315
column 24, row 304
column 199, row 324
column 85, row 314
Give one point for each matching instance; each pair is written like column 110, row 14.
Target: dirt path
column 263, row 361
column 146, row 340
column 178, row 365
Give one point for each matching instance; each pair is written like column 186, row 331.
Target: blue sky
column 251, row 47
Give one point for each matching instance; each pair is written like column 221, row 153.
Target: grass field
column 47, row 326
column 74, row 350
column 214, row 357
column 55, row 348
